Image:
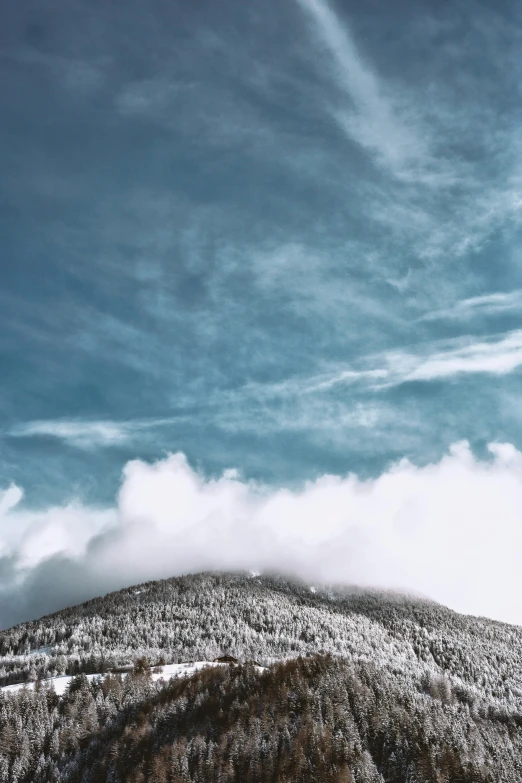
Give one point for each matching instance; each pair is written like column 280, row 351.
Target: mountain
column 358, row 686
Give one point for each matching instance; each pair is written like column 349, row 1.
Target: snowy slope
column 166, row 673
column 160, row 673
column 266, row 618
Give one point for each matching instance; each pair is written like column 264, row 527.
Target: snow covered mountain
column 388, row 688
column 266, row 618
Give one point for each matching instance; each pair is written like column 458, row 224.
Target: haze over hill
column 449, row 530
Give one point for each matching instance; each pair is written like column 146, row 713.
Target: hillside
column 388, row 688
column 266, row 618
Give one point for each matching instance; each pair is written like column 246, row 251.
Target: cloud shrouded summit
column 449, row 530
column 280, row 236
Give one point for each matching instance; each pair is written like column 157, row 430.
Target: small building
column 226, row 659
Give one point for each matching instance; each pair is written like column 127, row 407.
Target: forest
column 309, row 719
column 359, row 686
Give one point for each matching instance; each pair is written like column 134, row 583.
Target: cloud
column 450, row 530
column 10, row 498
column 453, row 173
column 329, row 401
column 493, row 356
column 478, row 306
column 346, row 377
column 86, row 434
column 83, row 434
column 303, row 386
column 496, row 357
column 375, row 119
column 31, row 537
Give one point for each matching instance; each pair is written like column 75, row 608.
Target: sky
column 261, row 296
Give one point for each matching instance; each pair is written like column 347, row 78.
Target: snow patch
column 60, row 684
column 166, row 673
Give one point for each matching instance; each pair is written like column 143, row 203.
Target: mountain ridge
column 270, row 616
column 360, row 687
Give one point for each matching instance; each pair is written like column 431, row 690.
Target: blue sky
column 285, row 240
column 277, row 237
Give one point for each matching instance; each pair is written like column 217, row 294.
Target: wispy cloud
column 328, row 401
column 84, row 434
column 347, row 377
column 488, row 304
column 497, row 357
column 87, row 434
column 376, row 117
column 438, row 201
column 494, row 356
column 300, row 386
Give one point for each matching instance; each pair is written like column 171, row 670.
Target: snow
column 158, row 673
column 182, row 669
column 60, row 684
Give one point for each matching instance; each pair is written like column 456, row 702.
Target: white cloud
column 494, row 356
column 84, row 434
column 450, row 530
column 33, row 536
column 497, row 357
column 10, row 498
column 488, row 304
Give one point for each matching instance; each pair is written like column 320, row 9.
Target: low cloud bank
column 451, row 531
